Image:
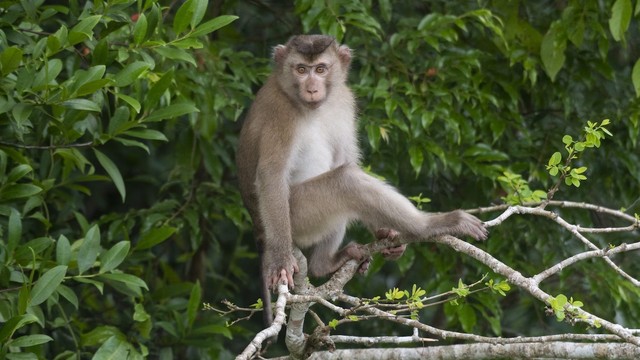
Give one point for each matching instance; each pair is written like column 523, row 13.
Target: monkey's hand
column 467, row 224
column 278, row 266
column 390, row 253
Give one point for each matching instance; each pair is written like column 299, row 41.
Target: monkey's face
column 312, row 81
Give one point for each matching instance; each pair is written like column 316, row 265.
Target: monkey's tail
column 267, row 312
column 265, row 293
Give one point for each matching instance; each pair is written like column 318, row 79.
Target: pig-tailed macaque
column 298, row 168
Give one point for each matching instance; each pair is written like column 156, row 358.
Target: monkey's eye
column 301, row 70
column 321, row 69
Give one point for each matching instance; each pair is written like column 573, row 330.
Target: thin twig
column 46, row 147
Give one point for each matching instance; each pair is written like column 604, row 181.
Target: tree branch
column 559, row 350
column 563, row 345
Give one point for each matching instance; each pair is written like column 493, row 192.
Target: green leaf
column 158, row 89
column 416, row 157
column 213, row 25
column 467, row 317
column 113, row 172
column 100, row 54
column 63, row 250
column 620, row 18
column 68, row 294
column 17, row 191
column 24, row 294
column 188, row 43
column 194, row 304
column 93, row 73
column 135, row 104
column 154, row 237
column 148, row 134
column 176, row 54
column 13, row 324
column 115, row 256
column 140, row 314
column 219, row 330
column 140, row 29
column 85, row 26
column 199, row 10
column 82, row 104
column 183, row 16
column 126, row 279
column 89, row 249
column 171, row 111
column 47, row 74
column 15, row 230
column 93, row 86
column 56, row 40
column 100, row 334
column 47, row 284
column 129, row 142
column 30, row 340
column 552, row 53
column 24, row 252
column 567, row 140
column 119, row 121
column 385, row 9
column 10, row 59
column 18, row 173
column 555, row 159
column 635, row 76
column 112, row 349
column 131, row 73
column 98, row 284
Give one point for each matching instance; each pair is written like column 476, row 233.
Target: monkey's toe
column 393, row 253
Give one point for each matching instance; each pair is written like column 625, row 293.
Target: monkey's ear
column 344, row 54
column 279, row 53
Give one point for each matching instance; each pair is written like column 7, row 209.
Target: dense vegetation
column 119, row 212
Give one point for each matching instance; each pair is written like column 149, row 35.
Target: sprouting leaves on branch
column 593, row 134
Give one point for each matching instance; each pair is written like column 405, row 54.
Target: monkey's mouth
column 313, row 104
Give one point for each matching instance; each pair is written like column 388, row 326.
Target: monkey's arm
column 272, row 191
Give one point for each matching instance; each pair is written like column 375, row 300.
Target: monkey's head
column 308, row 66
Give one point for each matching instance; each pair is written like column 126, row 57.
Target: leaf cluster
column 84, row 89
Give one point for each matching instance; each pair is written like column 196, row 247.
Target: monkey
column 299, row 173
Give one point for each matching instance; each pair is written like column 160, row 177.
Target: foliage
column 572, row 176
column 119, row 212
column 83, row 270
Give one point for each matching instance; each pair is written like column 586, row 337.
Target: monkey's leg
column 349, row 193
column 325, row 257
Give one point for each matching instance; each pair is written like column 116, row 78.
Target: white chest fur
column 323, row 142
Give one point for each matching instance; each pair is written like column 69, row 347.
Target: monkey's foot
column 356, row 252
column 364, row 266
column 393, row 253
column 385, row 233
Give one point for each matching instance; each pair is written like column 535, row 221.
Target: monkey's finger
column 290, row 280
column 364, row 266
column 393, row 253
column 484, row 232
column 274, row 283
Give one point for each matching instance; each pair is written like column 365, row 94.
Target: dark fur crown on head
column 310, row 45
